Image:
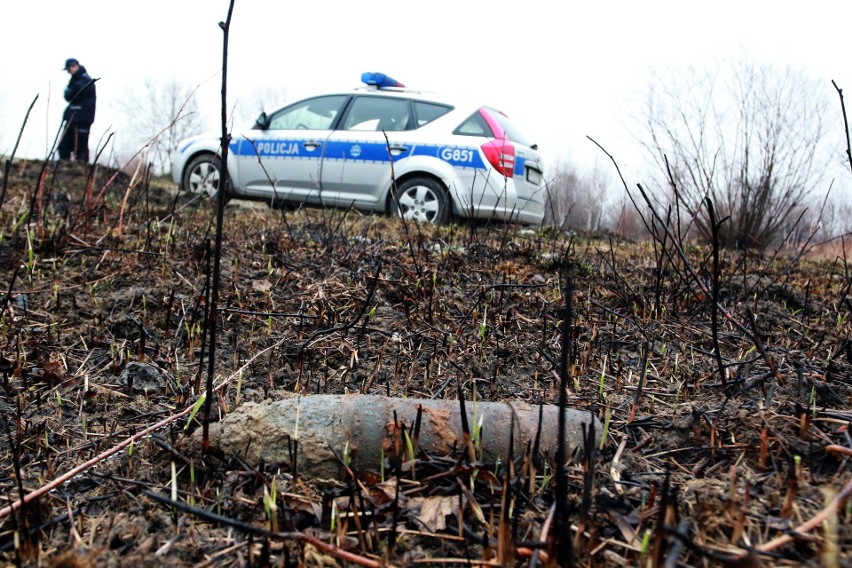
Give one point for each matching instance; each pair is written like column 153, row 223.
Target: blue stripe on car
column 520, row 162
column 362, row 151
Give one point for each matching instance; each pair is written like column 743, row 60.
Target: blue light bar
column 379, row 80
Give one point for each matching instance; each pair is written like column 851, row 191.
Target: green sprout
column 546, row 475
column 195, row 408
column 239, row 389
column 20, row 220
column 646, row 542
column 298, row 415
column 30, row 258
column 409, row 447
column 270, row 505
column 335, row 514
column 478, row 420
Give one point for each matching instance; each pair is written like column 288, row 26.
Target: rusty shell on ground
column 260, row 431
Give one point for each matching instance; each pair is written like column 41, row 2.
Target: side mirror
column 262, row 122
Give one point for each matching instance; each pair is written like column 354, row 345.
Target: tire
column 421, row 199
column 203, row 174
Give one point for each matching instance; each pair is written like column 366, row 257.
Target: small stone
column 146, row 378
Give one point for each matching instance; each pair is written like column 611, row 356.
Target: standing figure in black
column 80, row 113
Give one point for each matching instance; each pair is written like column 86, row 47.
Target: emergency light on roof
column 379, row 80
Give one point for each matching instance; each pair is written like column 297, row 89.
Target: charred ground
column 105, row 272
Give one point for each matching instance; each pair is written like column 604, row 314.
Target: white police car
column 382, row 148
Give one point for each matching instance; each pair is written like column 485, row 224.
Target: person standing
column 80, row 113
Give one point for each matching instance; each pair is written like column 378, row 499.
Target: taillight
column 501, row 155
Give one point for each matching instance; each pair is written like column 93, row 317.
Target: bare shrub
column 746, row 135
column 159, row 114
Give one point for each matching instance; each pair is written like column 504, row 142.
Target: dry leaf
column 385, row 492
column 261, row 285
column 433, row 511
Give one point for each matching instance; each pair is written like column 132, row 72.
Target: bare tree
column 747, row 136
column 160, row 114
column 563, row 179
column 266, row 99
column 625, row 221
column 577, row 199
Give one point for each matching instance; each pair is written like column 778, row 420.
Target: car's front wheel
column 421, row 199
column 203, row 175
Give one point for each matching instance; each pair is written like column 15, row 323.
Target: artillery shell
column 322, row 423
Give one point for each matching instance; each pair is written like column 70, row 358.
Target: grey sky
column 561, row 70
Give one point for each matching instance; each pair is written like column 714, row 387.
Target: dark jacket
column 81, row 97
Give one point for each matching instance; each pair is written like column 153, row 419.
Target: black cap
column 69, row 63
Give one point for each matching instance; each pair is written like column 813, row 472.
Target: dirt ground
column 726, row 437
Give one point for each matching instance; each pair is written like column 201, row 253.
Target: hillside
column 103, row 337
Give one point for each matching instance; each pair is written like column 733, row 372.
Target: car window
column 313, row 114
column 378, row 113
column 475, row 125
column 427, row 112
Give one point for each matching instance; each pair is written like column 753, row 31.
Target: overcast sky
column 561, row 70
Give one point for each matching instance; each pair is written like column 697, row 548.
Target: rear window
column 512, row 132
column 427, row 112
column 475, row 125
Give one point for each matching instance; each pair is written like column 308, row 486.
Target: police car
column 380, row 147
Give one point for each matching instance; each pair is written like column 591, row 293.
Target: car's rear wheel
column 203, row 175
column 421, row 199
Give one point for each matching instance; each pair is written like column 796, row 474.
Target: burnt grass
column 718, row 442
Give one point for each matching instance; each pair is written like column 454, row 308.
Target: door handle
column 311, row 144
column 398, row 149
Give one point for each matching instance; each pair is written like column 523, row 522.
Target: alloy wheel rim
column 419, row 203
column 204, row 179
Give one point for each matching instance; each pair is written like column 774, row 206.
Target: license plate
column 533, row 176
